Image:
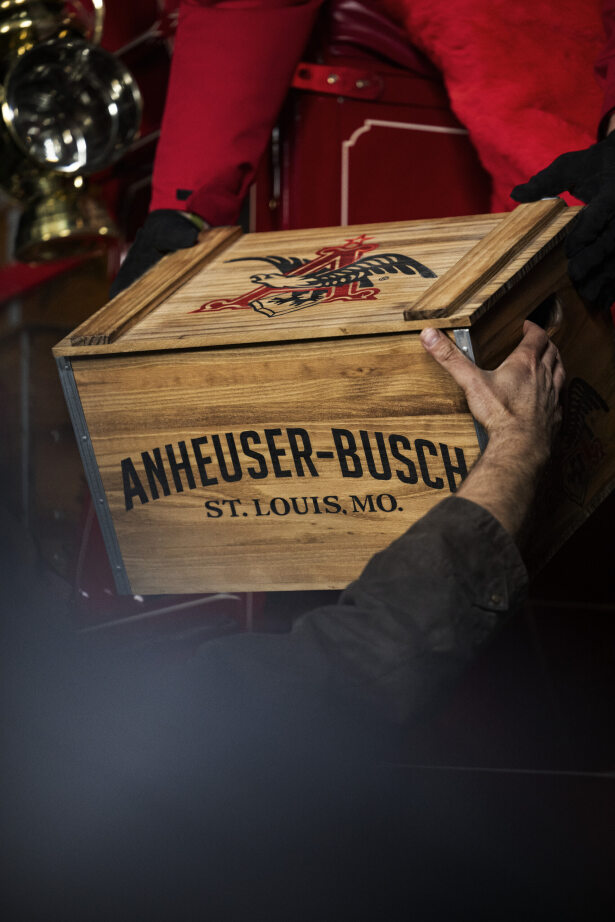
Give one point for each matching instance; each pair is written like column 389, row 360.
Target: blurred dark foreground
column 141, row 788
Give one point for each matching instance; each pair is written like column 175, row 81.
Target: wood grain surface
column 373, row 385
column 484, row 263
column 172, row 271
column 169, row 317
column 161, row 319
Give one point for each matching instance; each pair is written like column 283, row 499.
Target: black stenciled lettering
column 317, row 509
column 303, row 453
column 177, row 467
column 233, row 503
column 411, row 476
column 331, row 504
column 279, row 501
column 362, row 505
column 154, row 470
column 391, row 502
column 213, row 508
column 346, row 449
column 276, row 452
column 385, row 472
column 132, row 484
column 257, row 506
column 245, row 438
column 296, row 500
column 420, row 446
column 202, row 461
column 452, row 469
column 236, row 474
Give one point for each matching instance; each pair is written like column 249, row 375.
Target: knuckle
column 446, row 351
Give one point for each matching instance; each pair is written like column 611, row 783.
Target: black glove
column 589, row 175
column 164, row 231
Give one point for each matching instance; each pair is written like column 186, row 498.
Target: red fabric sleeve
column 232, row 64
column 605, row 65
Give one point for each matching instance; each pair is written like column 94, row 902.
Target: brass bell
column 62, row 220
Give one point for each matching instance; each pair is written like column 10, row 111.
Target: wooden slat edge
column 485, row 259
column 147, row 292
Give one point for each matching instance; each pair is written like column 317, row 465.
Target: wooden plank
column 485, row 260
column 147, row 292
column 537, row 251
column 386, row 385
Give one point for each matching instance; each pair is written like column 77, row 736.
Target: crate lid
column 233, row 289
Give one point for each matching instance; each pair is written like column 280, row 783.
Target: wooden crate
column 257, row 412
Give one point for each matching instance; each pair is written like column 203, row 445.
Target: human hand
column 589, row 175
column 164, row 231
column 518, row 402
column 518, row 405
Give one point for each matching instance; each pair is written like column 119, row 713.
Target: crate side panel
column 314, row 457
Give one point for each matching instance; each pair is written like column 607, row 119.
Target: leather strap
column 398, row 88
column 338, row 80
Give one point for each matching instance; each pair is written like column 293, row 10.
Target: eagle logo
column 342, row 273
column 582, row 450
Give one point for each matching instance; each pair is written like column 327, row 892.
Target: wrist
column 528, row 446
column 504, row 480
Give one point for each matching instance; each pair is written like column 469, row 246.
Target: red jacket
column 233, row 63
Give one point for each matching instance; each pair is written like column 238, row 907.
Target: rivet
column 333, row 78
column 360, row 84
column 496, row 599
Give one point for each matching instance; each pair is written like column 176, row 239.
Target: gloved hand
column 589, row 175
column 164, row 231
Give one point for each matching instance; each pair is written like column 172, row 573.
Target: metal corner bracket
column 464, row 342
column 92, row 473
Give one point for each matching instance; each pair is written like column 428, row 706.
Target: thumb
column 446, row 354
column 558, row 177
column 536, row 188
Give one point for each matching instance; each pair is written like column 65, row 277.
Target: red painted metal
column 339, row 159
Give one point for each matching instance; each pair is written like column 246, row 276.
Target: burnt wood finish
column 304, row 524
column 146, row 293
column 485, row 262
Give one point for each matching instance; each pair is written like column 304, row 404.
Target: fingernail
column 429, row 336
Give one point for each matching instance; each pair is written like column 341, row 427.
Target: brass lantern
column 69, row 109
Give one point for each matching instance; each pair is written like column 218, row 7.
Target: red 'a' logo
column 339, row 273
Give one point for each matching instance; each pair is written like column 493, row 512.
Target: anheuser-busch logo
column 336, row 273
